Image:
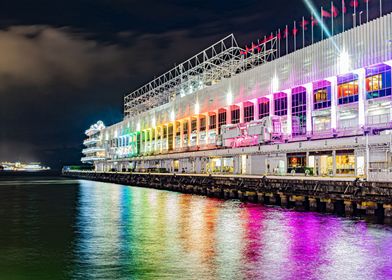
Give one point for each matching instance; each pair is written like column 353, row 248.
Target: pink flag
column 344, row 9
column 325, row 14
column 314, row 21
column 354, row 3
column 334, row 10
column 295, row 31
column 304, row 24
column 278, row 35
column 253, row 47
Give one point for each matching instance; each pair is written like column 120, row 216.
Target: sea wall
column 333, row 195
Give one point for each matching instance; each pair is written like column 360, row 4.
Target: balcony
column 92, row 150
column 90, row 141
column 91, row 159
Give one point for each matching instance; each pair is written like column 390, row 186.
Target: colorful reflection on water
column 69, row 229
column 141, row 233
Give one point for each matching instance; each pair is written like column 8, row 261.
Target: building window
column 235, row 114
column 321, row 95
column 221, row 119
column 249, row 112
column 347, row 89
column 202, row 124
column 298, row 105
column 345, row 162
column 296, row 163
column 178, row 128
column 378, row 81
column 264, row 107
column 280, row 102
column 185, row 127
column 164, row 132
column 193, row 125
column 212, row 122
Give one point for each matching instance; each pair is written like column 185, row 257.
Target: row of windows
column 378, row 84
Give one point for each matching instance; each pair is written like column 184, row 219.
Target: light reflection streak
column 141, row 233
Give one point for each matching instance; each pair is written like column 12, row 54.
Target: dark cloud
column 42, row 56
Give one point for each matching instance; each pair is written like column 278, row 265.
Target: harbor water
column 58, row 228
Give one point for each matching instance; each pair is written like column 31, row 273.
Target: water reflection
column 125, row 232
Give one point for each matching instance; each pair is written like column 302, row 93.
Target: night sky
column 66, row 64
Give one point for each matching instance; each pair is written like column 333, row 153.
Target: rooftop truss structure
column 221, row 60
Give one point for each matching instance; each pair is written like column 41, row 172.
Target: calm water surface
column 55, row 228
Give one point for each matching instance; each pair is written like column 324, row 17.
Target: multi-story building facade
column 324, row 109
column 94, row 150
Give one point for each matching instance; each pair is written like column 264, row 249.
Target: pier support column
column 388, row 211
column 330, row 206
column 260, row 197
column 270, row 198
column 312, row 204
column 283, row 200
column 251, row 196
column 297, row 200
column 348, row 207
column 370, row 207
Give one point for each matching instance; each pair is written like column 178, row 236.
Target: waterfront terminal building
column 322, row 110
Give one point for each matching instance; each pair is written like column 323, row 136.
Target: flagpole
column 295, row 37
column 332, row 15
column 380, row 8
column 303, row 32
column 367, row 11
column 279, row 41
column 312, row 26
column 343, row 13
column 355, row 15
column 322, row 23
column 286, row 32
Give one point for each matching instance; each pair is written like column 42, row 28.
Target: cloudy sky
column 66, row 64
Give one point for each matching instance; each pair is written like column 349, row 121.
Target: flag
column 354, row 3
column 325, row 14
column 304, row 24
column 314, row 21
column 278, row 35
column 253, row 47
column 334, row 10
column 295, row 30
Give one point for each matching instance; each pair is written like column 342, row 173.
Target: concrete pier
column 342, row 197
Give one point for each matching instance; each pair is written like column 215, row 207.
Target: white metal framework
column 221, row 60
